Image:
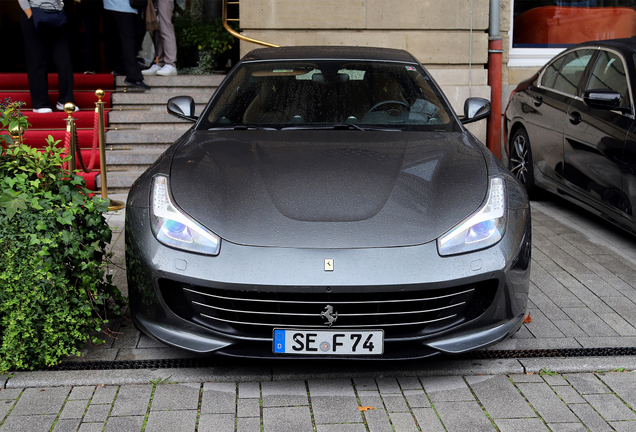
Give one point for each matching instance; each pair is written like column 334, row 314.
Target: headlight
column 174, row 228
column 481, row 230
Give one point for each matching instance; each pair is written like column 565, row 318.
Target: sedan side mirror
column 475, row 109
column 182, row 107
column 604, row 99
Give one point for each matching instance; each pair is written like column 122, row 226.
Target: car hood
column 328, row 189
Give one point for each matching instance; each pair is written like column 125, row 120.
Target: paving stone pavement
column 516, row 402
column 582, row 294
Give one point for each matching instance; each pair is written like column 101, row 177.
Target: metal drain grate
column 476, row 355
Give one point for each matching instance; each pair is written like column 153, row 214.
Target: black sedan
column 571, row 129
column 328, row 202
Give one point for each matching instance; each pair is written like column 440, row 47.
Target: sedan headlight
column 481, row 230
column 174, row 228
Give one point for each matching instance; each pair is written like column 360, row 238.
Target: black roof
column 332, row 52
column 626, row 44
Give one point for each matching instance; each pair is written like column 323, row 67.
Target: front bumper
column 504, row 266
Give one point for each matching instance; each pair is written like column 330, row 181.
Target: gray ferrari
column 328, row 202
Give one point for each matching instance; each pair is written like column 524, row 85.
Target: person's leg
column 126, row 27
column 140, row 32
column 36, row 59
column 112, row 44
column 168, row 53
column 62, row 57
column 91, row 11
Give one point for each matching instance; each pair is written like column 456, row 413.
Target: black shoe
column 138, row 84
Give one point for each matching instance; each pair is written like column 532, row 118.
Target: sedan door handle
column 575, row 117
column 538, row 101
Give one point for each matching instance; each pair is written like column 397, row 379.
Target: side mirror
column 182, row 107
column 475, row 109
column 604, row 99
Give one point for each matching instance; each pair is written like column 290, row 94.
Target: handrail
column 237, row 34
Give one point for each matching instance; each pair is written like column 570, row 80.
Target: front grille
column 400, row 313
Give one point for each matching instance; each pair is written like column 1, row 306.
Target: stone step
column 147, row 114
column 157, row 82
column 149, row 127
column 142, row 137
column 146, row 128
column 134, row 156
column 163, row 107
column 120, row 179
column 135, row 148
column 200, row 96
column 142, row 116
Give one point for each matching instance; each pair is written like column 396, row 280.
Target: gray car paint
column 328, row 189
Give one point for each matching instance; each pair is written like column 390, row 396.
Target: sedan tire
column 520, row 162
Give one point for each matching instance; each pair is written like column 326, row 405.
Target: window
column 296, row 94
column 565, row 73
column 543, row 28
column 609, row 73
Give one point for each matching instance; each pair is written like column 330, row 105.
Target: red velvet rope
column 67, row 147
column 80, row 158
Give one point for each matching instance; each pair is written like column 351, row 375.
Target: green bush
column 53, row 238
column 201, row 40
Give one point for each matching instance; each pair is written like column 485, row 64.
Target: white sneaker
column 152, row 70
column 60, row 106
column 167, row 70
column 42, row 110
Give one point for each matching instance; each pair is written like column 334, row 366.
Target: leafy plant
column 157, row 381
column 546, row 371
column 208, row 40
column 53, row 238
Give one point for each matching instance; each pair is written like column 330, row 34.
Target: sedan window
column 566, row 78
column 609, row 73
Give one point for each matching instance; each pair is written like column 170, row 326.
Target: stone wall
column 436, row 32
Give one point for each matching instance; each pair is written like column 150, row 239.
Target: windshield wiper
column 343, row 126
column 241, row 127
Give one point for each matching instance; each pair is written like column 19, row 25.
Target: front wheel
column 520, row 162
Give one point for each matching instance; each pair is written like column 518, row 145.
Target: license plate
column 329, row 342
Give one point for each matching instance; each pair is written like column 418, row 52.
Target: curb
column 319, row 371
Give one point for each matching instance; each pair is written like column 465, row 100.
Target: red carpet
column 16, row 86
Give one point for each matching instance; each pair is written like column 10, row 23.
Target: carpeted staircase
column 139, row 127
column 16, row 87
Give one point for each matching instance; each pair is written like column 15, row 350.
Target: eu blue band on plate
column 279, row 341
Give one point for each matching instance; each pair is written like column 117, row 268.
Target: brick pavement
column 518, row 402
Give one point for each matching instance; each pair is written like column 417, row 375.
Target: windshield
column 328, row 93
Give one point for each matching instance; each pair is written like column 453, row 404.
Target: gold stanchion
column 99, row 109
column 69, row 107
column 16, row 133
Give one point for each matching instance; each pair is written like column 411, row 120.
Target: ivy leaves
column 54, row 291
column 12, row 202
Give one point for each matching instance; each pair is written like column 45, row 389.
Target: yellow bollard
column 99, row 109
column 16, row 133
column 69, row 107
